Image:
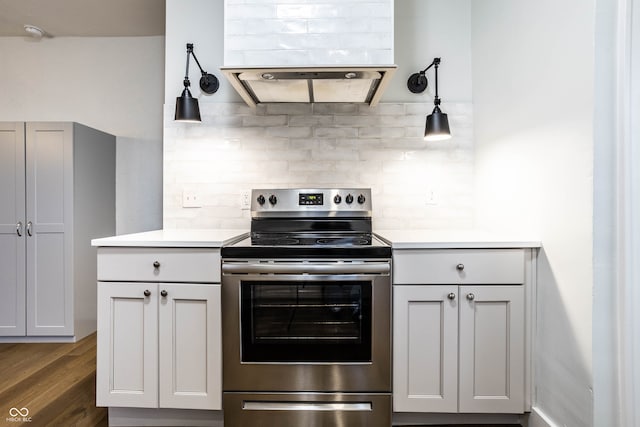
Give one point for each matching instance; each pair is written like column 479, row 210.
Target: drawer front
column 459, row 266
column 200, row 265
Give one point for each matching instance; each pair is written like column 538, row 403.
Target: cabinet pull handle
column 451, row 296
column 156, row 264
column 460, row 267
column 29, row 226
column 471, row 297
column 164, row 293
column 19, row 228
column 147, row 292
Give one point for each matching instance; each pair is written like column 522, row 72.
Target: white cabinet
column 159, row 343
column 127, row 365
column 460, row 347
column 425, row 349
column 57, row 192
column 491, row 352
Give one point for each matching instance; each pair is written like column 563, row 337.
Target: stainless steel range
column 306, row 303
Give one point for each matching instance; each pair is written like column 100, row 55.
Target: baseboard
column 38, row 339
column 164, row 417
column 426, row 419
column 539, row 419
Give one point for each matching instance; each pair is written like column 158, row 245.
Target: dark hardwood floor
column 54, row 382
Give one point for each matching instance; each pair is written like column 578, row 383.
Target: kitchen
column 518, row 80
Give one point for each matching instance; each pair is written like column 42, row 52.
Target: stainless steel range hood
column 302, row 84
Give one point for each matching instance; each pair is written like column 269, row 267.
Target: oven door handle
column 308, row 268
column 306, row 406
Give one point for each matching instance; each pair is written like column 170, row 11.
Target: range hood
column 309, row 84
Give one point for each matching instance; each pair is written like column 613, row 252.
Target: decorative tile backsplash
column 415, row 184
column 306, row 32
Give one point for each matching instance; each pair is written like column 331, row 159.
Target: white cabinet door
column 127, row 366
column 12, row 230
column 492, row 346
column 190, row 346
column 425, row 359
column 49, row 178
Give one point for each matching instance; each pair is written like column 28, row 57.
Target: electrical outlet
column 245, row 200
column 432, row 198
column 190, row 199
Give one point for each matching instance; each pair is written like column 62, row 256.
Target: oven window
column 306, row 321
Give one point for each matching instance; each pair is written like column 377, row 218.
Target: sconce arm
column 435, row 62
column 208, row 82
column 418, row 82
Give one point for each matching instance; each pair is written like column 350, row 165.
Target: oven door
column 293, row 326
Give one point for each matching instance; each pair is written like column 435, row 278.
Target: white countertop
column 186, row 238
column 452, row 239
column 399, row 239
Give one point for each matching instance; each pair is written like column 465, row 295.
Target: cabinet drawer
column 201, row 265
column 459, row 266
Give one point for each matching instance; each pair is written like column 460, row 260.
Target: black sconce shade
column 437, row 128
column 187, row 108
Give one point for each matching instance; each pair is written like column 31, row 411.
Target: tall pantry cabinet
column 57, row 192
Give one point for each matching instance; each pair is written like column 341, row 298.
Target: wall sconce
column 187, row 109
column 437, row 127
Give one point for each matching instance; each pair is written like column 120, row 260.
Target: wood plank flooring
column 55, row 382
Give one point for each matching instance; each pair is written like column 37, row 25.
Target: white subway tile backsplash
column 315, row 120
column 265, row 26
column 336, row 109
column 357, row 121
column 289, row 108
column 308, row 11
column 344, row 26
column 289, row 132
column 305, row 32
column 283, row 145
column 384, row 109
column 335, row 132
column 278, row 120
column 381, row 132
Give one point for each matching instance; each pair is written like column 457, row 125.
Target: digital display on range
column 310, row 199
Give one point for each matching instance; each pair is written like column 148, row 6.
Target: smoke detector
column 33, row 31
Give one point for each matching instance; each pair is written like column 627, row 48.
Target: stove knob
column 361, row 199
column 337, row 199
column 273, row 199
column 349, row 199
column 261, row 199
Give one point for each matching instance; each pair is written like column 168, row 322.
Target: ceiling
column 83, row 18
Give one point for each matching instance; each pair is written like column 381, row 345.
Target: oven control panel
column 316, row 202
column 311, row 199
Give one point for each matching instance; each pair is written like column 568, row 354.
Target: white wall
column 425, row 29
column 113, row 84
column 533, row 77
column 616, row 322
column 607, row 399
column 200, row 22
